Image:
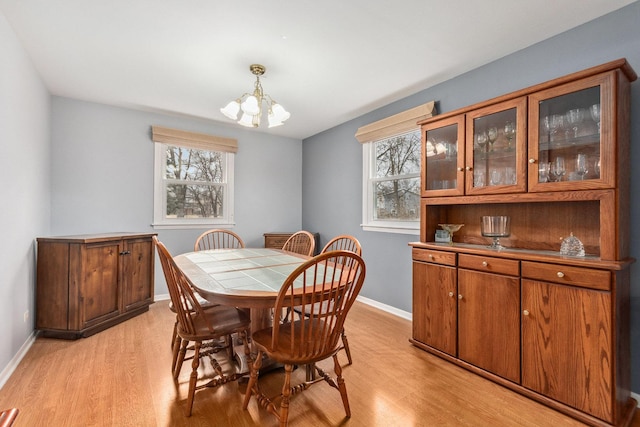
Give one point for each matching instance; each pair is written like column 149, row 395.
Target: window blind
column 396, row 124
column 199, row 141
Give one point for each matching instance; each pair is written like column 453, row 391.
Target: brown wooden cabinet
column 435, row 300
column 90, row 282
column 550, row 326
column 277, row 240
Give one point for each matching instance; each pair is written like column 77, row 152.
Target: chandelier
column 251, row 105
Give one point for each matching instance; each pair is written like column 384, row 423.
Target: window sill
column 386, row 228
column 182, row 226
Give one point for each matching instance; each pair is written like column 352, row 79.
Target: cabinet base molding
column 629, row 409
column 74, row 335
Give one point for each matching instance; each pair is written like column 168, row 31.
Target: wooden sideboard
column 551, row 325
column 87, row 283
column 277, row 240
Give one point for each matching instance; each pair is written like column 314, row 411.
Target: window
column 193, row 180
column 393, row 183
column 391, row 171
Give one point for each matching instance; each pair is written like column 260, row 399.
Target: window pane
column 194, row 201
column 398, row 155
column 194, row 165
column 397, row 199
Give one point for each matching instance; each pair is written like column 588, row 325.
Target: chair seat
column 227, row 320
column 263, row 339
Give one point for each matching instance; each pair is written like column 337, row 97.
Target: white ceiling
column 328, row 61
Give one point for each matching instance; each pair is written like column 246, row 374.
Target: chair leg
column 341, row 385
column 174, row 334
column 194, row 376
column 345, row 345
column 253, row 379
column 177, row 343
column 181, row 354
column 286, row 396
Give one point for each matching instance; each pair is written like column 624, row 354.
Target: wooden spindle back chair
column 218, row 239
column 301, row 242
column 329, row 283
column 197, row 325
column 343, row 242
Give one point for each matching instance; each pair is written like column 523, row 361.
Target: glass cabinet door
column 570, row 126
column 443, row 161
column 496, row 154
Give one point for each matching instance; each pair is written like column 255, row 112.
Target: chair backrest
column 301, row 242
column 327, row 286
column 218, row 239
column 343, row 242
column 184, row 300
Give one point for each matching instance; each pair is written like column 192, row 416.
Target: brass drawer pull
column 485, row 263
column 560, row 274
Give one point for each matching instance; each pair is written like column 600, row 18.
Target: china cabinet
column 553, row 159
column 88, row 283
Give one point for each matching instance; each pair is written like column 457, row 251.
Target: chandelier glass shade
column 251, row 105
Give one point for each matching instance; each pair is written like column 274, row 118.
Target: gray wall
column 332, row 174
column 102, row 175
column 24, row 147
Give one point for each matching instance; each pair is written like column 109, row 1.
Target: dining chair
column 301, row 242
column 344, row 242
column 198, row 325
column 331, row 282
column 210, row 239
column 218, row 239
column 349, row 243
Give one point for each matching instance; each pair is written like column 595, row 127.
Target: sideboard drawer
column 436, row 257
column 575, row 276
column 489, row 264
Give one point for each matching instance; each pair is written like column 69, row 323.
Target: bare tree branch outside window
column 396, row 185
column 195, row 183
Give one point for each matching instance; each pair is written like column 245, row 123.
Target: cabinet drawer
column 490, row 264
column 575, row 276
column 276, row 242
column 436, row 257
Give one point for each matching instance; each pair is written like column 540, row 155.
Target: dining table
column 243, row 277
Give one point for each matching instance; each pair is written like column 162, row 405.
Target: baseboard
column 384, row 307
column 15, row 361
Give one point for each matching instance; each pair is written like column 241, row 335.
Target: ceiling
column 327, row 61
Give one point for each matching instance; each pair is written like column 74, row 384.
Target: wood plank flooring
column 121, row 377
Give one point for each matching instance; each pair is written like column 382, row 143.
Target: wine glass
column 492, row 135
column 595, row 114
column 574, row 118
column 543, row 172
column 481, row 140
column 509, row 132
column 495, row 176
column 557, row 169
column 509, row 175
column 597, row 168
column 556, row 124
column 581, row 165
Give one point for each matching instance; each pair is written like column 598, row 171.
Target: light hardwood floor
column 121, row 377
